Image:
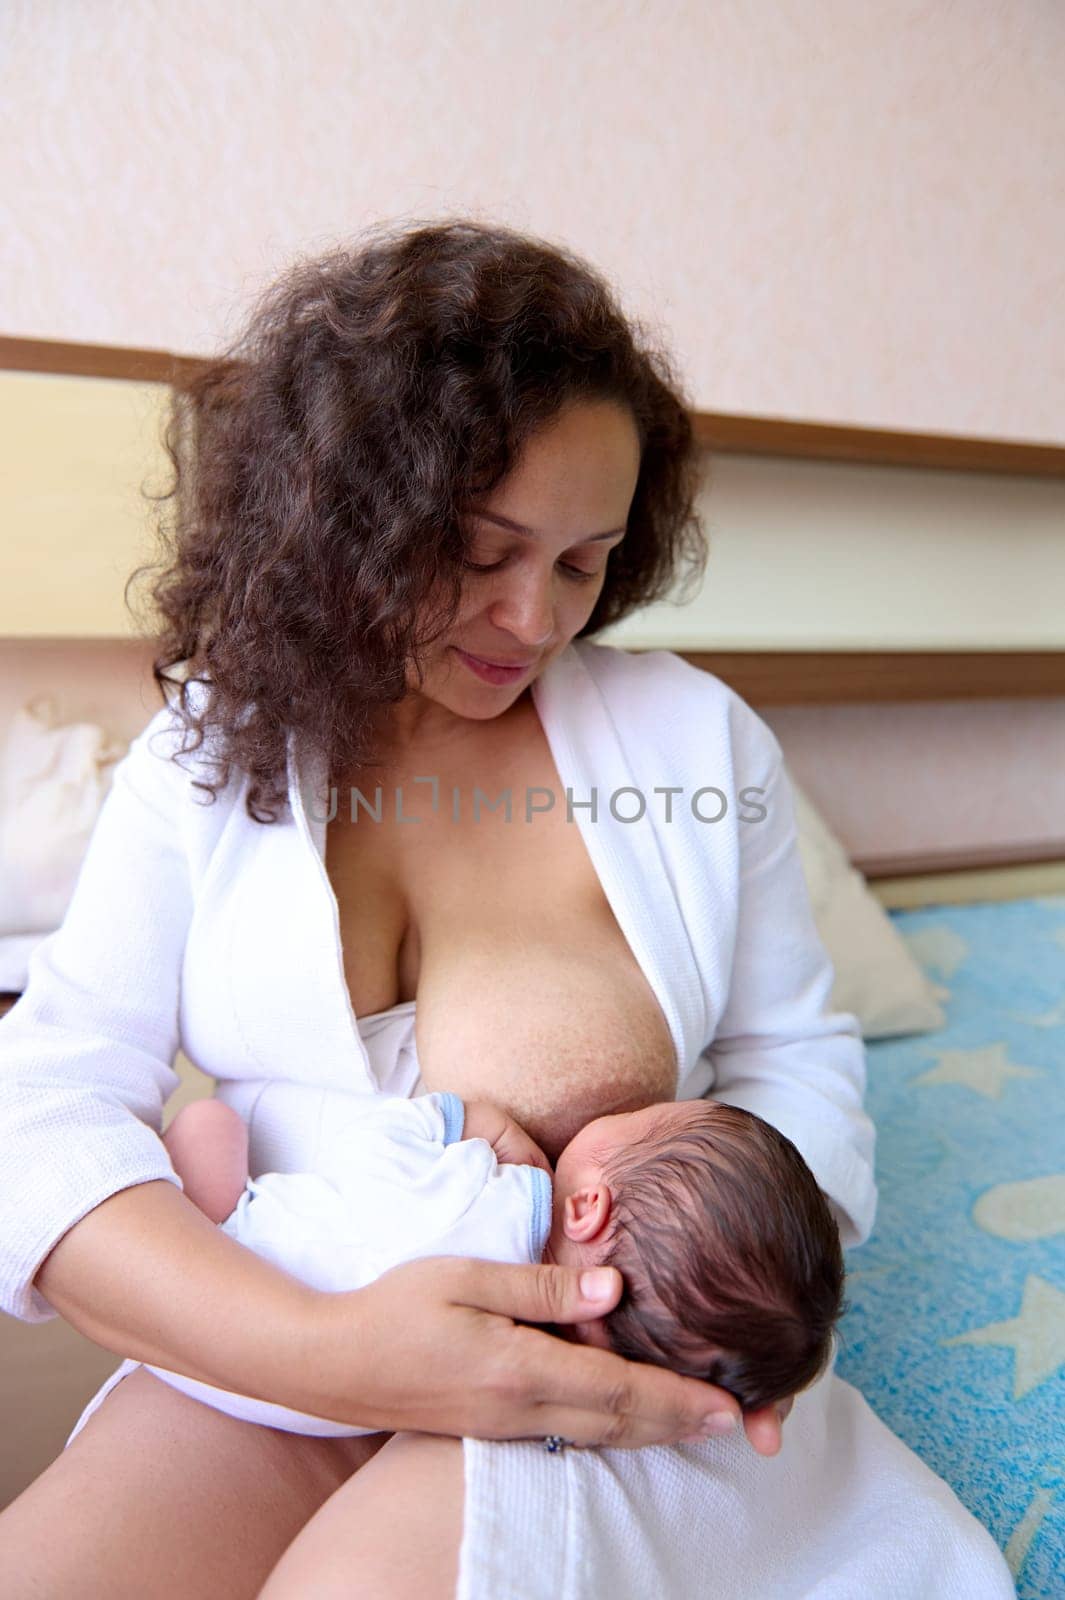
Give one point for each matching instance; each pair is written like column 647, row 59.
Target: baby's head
column 730, row 1255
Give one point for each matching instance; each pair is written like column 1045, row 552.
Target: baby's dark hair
column 730, row 1256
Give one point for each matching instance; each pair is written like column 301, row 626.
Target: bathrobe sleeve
column 86, row 1052
column 776, row 1050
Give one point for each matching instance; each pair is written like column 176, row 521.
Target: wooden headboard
column 791, row 686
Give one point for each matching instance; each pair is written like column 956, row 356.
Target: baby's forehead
column 672, row 1125
column 661, row 1126
column 665, row 1127
column 677, row 1116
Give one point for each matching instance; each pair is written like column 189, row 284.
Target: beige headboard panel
column 77, row 451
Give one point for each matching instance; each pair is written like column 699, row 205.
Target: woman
column 435, row 466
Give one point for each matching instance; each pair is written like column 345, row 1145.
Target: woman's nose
column 526, row 609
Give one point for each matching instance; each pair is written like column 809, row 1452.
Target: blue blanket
column 955, row 1331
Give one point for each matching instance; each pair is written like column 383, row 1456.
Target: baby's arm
column 508, row 1139
column 207, row 1143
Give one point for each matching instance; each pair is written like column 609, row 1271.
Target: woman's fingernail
column 597, row 1283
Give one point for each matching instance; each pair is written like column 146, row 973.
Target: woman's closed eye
column 578, row 574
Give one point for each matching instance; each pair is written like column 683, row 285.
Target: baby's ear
column 586, row 1212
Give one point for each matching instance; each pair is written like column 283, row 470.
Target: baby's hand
column 508, row 1139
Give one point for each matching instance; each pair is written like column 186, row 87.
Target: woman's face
column 571, row 490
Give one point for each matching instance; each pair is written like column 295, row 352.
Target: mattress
column 955, row 1327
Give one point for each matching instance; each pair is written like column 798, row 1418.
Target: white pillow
column 877, row 979
column 53, row 781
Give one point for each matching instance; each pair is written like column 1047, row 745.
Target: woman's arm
column 86, row 1053
column 145, row 1274
column 777, row 1050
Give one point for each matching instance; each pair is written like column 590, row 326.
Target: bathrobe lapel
column 584, row 732
column 308, row 802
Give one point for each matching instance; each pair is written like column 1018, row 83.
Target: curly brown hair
column 322, row 465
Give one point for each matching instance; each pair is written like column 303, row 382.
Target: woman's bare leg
column 391, row 1533
column 163, row 1498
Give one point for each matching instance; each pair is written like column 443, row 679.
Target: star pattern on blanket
column 1020, row 1539
column 984, row 1070
column 1036, row 1335
column 1054, row 1018
column 1033, row 1208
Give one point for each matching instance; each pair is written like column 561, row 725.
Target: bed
column 955, row 1331
column 955, row 1327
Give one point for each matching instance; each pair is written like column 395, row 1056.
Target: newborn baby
column 728, row 1251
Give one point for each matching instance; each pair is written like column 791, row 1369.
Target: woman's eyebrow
column 530, row 533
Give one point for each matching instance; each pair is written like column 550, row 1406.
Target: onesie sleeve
column 454, row 1114
column 777, row 1051
column 86, row 1053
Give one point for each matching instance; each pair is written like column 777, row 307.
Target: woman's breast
column 528, row 993
column 557, row 1026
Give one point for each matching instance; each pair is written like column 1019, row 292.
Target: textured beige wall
column 961, row 778
column 838, row 211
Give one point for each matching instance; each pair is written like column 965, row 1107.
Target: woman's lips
column 490, row 671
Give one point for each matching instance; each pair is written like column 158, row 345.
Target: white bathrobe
column 193, row 925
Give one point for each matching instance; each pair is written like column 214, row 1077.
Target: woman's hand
column 443, row 1345
column 764, row 1427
